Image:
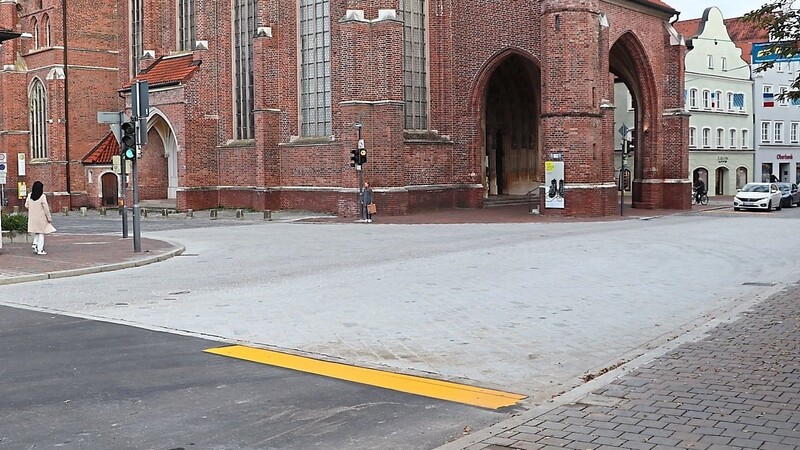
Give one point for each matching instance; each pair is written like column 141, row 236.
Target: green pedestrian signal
column 128, row 141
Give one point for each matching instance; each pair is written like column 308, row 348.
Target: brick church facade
column 255, row 104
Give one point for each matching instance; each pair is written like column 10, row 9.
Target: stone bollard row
column 213, row 213
column 239, row 214
column 165, row 213
column 83, row 211
column 268, row 214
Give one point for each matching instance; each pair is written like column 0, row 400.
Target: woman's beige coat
column 39, row 218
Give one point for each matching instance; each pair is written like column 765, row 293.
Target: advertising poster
column 554, row 184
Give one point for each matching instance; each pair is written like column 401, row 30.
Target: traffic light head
column 629, row 147
column 128, row 140
column 354, row 158
column 362, row 156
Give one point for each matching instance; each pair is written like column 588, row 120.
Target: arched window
column 35, row 31
column 720, row 138
column 37, row 108
column 46, row 30
column 692, row 137
column 186, row 25
column 706, row 137
column 716, row 100
column 693, row 98
column 732, row 138
column 706, row 99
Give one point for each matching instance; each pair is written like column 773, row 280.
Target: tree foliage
column 782, row 23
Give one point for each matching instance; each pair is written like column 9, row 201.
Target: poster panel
column 554, row 184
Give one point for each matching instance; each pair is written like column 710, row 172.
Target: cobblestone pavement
column 737, row 388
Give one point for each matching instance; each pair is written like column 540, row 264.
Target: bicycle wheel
column 704, row 199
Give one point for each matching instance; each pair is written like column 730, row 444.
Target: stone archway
column 511, row 117
column 628, row 64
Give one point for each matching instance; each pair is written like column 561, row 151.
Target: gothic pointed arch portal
column 511, row 117
column 628, row 64
column 160, row 157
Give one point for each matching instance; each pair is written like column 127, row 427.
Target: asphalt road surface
column 78, row 384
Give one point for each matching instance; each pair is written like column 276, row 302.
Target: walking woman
column 39, row 218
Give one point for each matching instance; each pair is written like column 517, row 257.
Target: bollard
column 143, row 212
column 213, row 213
column 16, row 210
column 83, row 211
column 165, row 213
column 65, row 210
column 239, row 214
column 102, row 212
column 268, row 214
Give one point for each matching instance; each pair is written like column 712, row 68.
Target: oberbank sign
column 772, row 52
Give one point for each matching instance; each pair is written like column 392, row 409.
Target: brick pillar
column 675, row 129
column 574, row 78
column 266, row 77
column 371, row 61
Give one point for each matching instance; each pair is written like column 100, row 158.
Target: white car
column 758, row 196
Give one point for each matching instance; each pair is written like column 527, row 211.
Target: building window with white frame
column 706, row 137
column 415, row 71
column 738, row 101
column 693, row 98
column 782, row 100
column 37, row 114
column 793, row 132
column 716, row 100
column 692, row 137
column 720, row 137
column 186, row 27
column 315, row 68
column 745, row 137
column 766, row 127
column 710, row 61
column 706, row 99
column 778, row 127
column 244, row 31
column 732, row 138
column 729, row 101
column 724, row 62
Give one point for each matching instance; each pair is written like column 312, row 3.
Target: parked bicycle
column 703, row 198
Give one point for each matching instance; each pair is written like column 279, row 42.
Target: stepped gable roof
column 742, row 33
column 168, row 70
column 103, row 151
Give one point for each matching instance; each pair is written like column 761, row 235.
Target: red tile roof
column 103, row 151
column 168, row 70
column 742, row 33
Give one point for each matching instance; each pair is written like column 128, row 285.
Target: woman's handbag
column 371, row 208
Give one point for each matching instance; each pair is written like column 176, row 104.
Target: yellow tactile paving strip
column 443, row 390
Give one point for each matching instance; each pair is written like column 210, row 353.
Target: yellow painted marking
column 443, row 390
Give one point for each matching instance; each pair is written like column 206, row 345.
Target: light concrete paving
column 523, row 307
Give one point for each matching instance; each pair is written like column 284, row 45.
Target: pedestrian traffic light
column 128, row 140
column 629, row 147
column 362, row 156
column 354, row 158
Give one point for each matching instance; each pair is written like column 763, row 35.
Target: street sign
column 623, row 130
column 108, row 117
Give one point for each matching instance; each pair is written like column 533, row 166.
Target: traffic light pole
column 124, row 185
column 137, row 232
column 361, row 206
